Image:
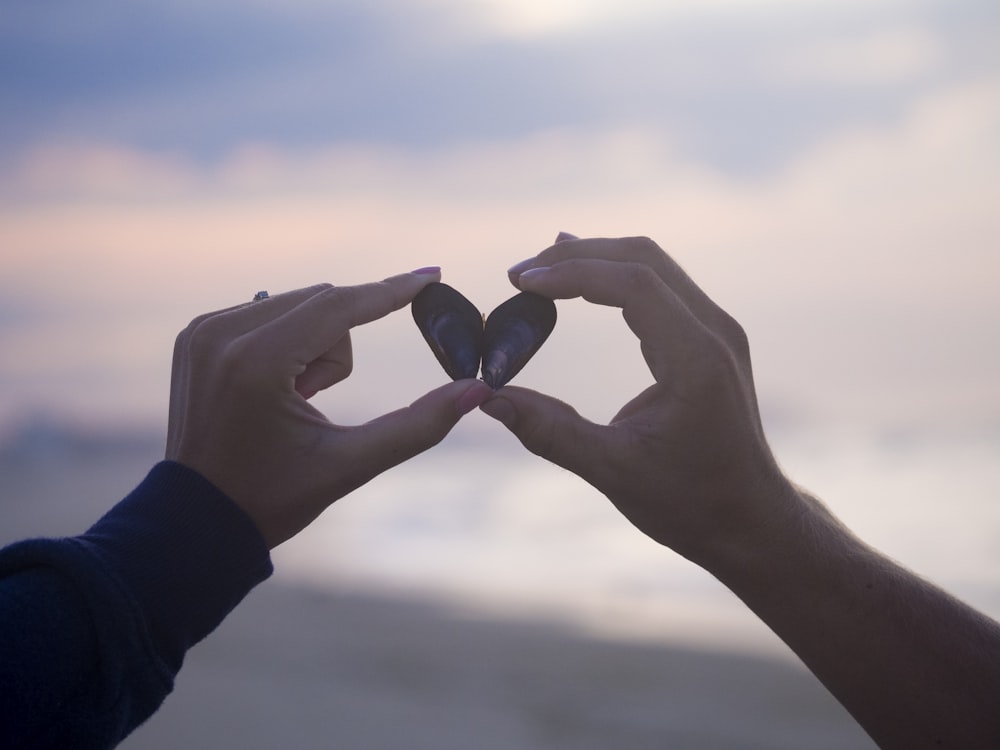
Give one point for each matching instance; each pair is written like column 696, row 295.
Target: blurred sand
column 295, row 667
column 298, row 668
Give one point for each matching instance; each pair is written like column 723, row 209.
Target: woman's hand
column 239, row 413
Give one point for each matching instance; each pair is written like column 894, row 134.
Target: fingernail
column 517, row 268
column 534, row 273
column 473, row 397
column 426, row 270
column 565, row 236
column 501, row 410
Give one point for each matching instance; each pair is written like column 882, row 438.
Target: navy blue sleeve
column 94, row 628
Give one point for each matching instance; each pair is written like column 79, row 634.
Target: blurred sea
column 482, row 526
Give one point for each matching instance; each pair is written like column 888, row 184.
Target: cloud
column 745, row 87
column 872, row 240
column 884, row 57
column 822, row 171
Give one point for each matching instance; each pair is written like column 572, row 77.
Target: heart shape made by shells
column 463, row 339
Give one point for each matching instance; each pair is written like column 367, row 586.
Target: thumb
column 552, row 429
column 394, row 437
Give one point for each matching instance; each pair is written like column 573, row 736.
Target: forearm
column 914, row 666
column 94, row 628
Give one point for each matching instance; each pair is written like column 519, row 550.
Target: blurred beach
column 827, row 171
column 316, row 657
column 428, row 611
column 300, row 668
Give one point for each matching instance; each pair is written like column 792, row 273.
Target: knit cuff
column 184, row 552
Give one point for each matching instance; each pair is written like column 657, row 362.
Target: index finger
column 629, row 250
column 652, row 310
column 317, row 324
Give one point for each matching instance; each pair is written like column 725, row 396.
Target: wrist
column 762, row 531
column 182, row 552
column 784, row 550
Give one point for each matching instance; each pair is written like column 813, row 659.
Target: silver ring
column 260, row 295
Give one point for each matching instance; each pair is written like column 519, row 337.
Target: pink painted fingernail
column 426, row 270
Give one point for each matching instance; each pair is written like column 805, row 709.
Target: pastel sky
column 828, row 170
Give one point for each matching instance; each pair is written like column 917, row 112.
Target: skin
column 686, row 461
column 239, row 402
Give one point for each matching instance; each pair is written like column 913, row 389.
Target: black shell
column 514, row 332
column 453, row 327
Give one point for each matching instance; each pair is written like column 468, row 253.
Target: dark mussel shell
column 514, row 332
column 453, row 327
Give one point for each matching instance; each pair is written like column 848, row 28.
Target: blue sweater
column 94, row 628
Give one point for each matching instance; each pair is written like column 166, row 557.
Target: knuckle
column 733, row 335
column 737, row 335
column 724, row 369
column 397, row 293
column 391, row 292
column 195, row 337
column 181, row 340
column 204, row 333
column 332, row 293
column 644, row 248
column 208, row 346
column 324, row 289
column 641, row 279
column 539, row 438
column 188, row 333
column 337, row 299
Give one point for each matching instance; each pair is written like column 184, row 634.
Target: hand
column 239, row 413
column 686, row 460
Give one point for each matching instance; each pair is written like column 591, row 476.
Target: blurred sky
column 829, row 170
